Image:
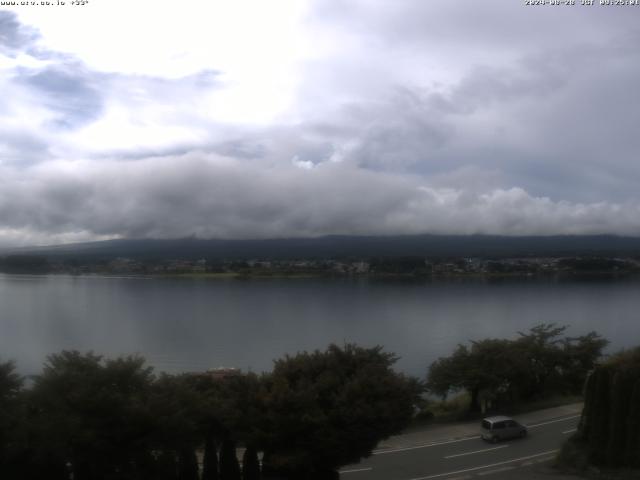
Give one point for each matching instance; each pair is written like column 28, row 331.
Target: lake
column 194, row 324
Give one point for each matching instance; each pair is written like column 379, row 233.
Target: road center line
column 447, row 442
column 477, row 451
column 425, row 445
column 354, row 470
column 553, row 421
column 570, row 431
column 485, row 466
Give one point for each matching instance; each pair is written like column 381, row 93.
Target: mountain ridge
column 346, row 246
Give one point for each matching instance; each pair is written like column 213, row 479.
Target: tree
column 229, row 467
column 11, row 426
column 581, row 355
column 210, row 459
column 92, row 413
column 331, row 408
column 501, row 371
column 610, row 419
column 250, row 464
column 167, row 465
column 187, row 464
column 489, row 369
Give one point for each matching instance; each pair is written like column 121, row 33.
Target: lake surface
column 195, row 324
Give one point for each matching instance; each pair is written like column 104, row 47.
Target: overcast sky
column 279, row 118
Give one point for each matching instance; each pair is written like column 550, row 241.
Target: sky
column 302, row 118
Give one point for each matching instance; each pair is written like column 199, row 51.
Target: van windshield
column 486, row 424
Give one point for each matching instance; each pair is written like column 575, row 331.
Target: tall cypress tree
column 584, row 426
column 229, row 466
column 250, row 464
column 599, row 429
column 621, row 390
column 167, row 466
column 610, row 423
column 210, row 460
column 632, row 447
column 188, row 464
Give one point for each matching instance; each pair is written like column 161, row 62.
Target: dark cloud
column 70, row 92
column 211, row 196
column 441, row 117
column 14, row 36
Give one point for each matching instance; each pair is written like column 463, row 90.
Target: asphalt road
column 466, row 458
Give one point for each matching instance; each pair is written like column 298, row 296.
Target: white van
column 499, row 428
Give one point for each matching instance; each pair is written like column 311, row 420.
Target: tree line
column 88, row 417
column 499, row 373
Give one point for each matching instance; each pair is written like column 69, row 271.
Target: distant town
column 379, row 267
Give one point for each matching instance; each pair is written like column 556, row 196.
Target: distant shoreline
column 334, row 276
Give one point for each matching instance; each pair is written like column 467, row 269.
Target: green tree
column 331, row 408
column 581, row 355
column 167, row 465
column 210, row 459
column 187, row 464
column 11, row 421
column 632, row 443
column 541, row 346
column 488, row 370
column 502, row 371
column 229, row 466
column 92, row 413
column 250, row 464
column 608, row 428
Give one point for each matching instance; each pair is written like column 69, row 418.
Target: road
column 466, row 458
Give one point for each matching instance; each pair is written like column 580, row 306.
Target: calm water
column 191, row 324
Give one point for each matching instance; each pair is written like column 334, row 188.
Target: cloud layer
column 336, row 118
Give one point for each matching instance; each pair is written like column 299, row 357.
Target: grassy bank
column 456, row 409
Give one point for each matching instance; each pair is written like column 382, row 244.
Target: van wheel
column 494, row 439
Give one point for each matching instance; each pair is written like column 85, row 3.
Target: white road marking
column 426, row 445
column 496, row 470
column 553, row 421
column 476, row 451
column 447, row 442
column 354, row 470
column 485, row 466
column 570, row 431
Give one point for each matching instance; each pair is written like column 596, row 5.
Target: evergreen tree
column 188, row 464
column 250, row 464
column 229, row 466
column 610, row 423
column 632, row 447
column 589, row 399
column 600, row 417
column 621, row 391
column 210, row 460
column 11, row 421
column 167, row 466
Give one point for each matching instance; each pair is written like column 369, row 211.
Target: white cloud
column 254, row 119
column 211, row 196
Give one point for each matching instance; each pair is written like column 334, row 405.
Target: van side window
column 498, row 425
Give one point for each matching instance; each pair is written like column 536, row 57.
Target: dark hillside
column 435, row 246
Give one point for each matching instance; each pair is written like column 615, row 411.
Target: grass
column 456, row 409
